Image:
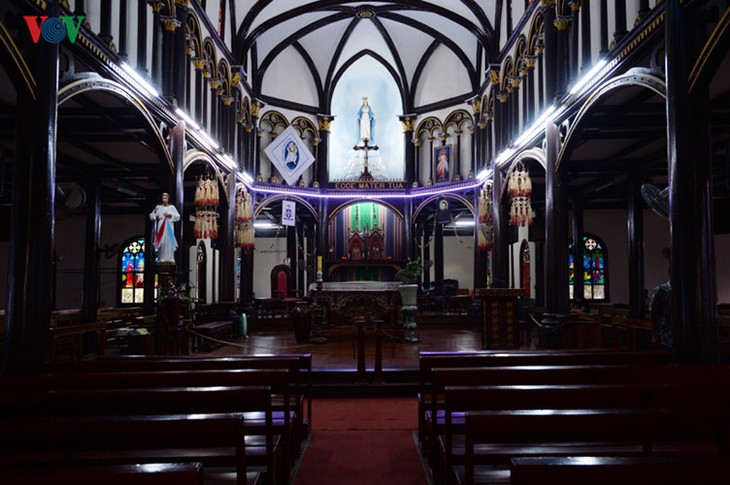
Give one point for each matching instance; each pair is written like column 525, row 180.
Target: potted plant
column 409, row 275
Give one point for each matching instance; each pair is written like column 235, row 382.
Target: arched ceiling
column 329, row 33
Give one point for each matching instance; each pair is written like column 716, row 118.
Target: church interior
column 495, row 224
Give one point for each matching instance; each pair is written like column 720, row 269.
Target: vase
column 409, row 299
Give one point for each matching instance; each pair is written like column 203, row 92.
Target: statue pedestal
column 408, row 294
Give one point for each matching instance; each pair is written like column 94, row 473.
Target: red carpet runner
column 362, row 441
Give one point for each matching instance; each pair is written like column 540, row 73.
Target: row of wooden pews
column 247, row 416
column 480, row 413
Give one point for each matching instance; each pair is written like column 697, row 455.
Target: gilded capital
column 408, row 123
column 236, row 79
column 324, row 122
column 182, row 3
column 574, row 5
column 482, row 124
column 476, row 105
column 214, row 83
column 547, row 3
column 530, row 61
column 488, row 116
column 256, row 108
column 156, row 5
column 494, row 76
column 503, row 96
column 562, row 22
column 227, row 99
column 198, row 63
column 170, row 23
column 206, row 72
column 515, row 81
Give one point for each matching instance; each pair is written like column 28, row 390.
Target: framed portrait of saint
column 442, row 161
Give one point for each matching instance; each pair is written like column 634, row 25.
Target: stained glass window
column 131, row 272
column 595, row 269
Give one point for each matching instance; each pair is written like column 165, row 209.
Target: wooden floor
column 337, row 349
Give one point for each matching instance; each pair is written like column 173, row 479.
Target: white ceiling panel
column 320, row 45
column 411, row 44
column 365, row 36
column 266, row 42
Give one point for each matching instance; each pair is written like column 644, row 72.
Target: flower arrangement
column 409, row 274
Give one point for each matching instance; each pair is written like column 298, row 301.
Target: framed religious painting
column 442, row 161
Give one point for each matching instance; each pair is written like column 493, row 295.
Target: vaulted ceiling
column 330, row 34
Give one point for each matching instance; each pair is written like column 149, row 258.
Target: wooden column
column 635, row 232
column 552, row 56
column 291, row 252
column 620, row 16
column 177, row 192
column 180, row 61
column 500, row 249
column 408, row 123
column 683, row 204
column 227, row 239
column 92, row 241
column 426, row 253
column 480, row 257
column 438, row 257
column 301, row 260
column 141, row 32
column 556, row 244
column 323, row 235
column 148, row 305
column 105, row 24
column 409, row 235
column 123, row 29
column 322, row 175
column 170, row 62
column 32, row 218
column 585, row 36
column 603, row 18
column 578, row 248
column 156, row 43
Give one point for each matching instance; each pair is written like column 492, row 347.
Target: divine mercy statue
column 165, row 215
column 365, row 123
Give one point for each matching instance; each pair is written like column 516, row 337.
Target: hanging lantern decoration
column 206, row 208
column 486, row 203
column 244, row 219
column 485, row 237
column 519, row 189
column 486, row 216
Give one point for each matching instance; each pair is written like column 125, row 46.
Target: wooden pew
column 463, row 399
column 253, row 401
column 41, row 443
column 585, row 432
column 284, row 416
column 431, row 360
column 142, row 474
column 610, row 470
column 299, row 366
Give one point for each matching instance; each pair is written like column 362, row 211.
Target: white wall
column 270, row 251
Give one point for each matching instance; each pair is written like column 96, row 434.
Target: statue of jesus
column 365, row 122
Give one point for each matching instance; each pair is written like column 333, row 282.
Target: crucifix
column 366, row 148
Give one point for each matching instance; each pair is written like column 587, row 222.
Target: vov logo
column 54, row 29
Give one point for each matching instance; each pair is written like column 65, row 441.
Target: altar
column 377, row 300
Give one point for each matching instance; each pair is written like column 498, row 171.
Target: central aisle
column 362, row 441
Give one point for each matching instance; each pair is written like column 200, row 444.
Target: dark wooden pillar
column 585, row 35
column 169, row 58
column 105, row 24
column 408, row 232
column 438, row 256
column 291, row 251
column 180, row 61
column 620, row 16
column 123, row 29
column 156, row 43
column 227, row 241
column 552, row 56
column 500, row 249
column 323, row 236
column 255, row 140
column 30, row 261
column 322, row 174
column 177, row 193
column 148, row 305
column 141, row 33
column 301, row 260
column 556, row 244
column 603, row 19
column 635, row 226
column 578, row 248
column 480, row 257
column 408, row 122
column 683, row 201
column 92, row 241
column 426, row 253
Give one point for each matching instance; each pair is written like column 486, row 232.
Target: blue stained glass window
column 595, row 276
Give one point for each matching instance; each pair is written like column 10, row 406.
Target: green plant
column 410, row 273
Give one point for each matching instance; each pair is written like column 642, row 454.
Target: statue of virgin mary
column 365, row 123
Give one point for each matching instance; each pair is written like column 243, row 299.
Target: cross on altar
column 366, row 148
